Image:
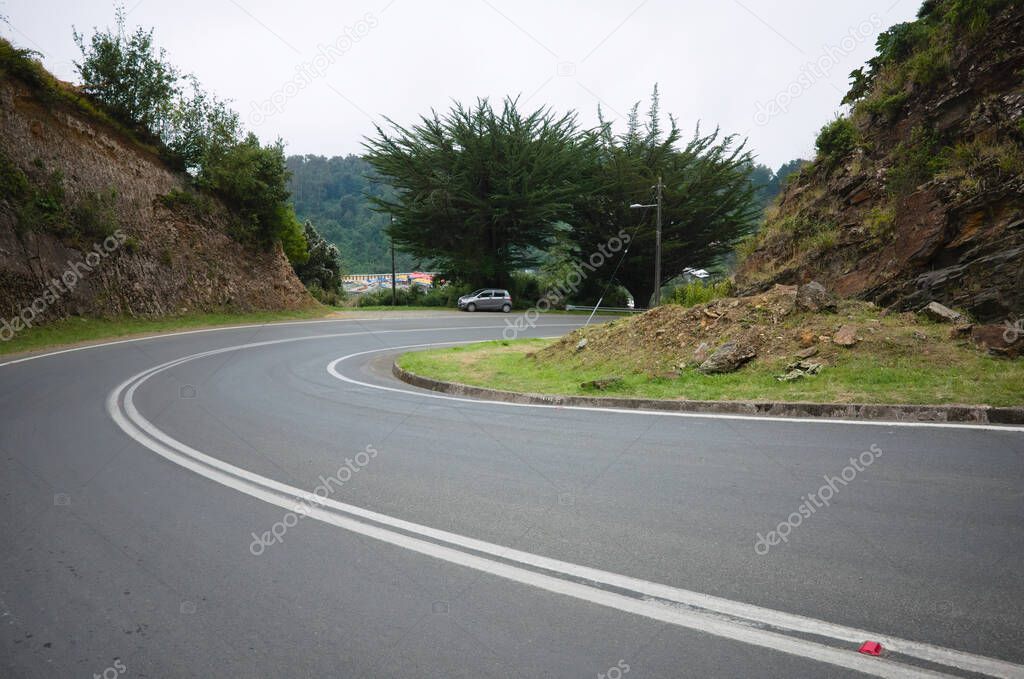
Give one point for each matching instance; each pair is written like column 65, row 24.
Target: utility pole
column 657, row 251
column 393, row 293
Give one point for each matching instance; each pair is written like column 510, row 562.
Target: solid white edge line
column 426, row 393
column 143, row 431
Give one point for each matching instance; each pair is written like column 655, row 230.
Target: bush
column 253, row 180
column 915, row 162
column 836, row 139
column 93, row 216
column 699, row 292
column 322, row 268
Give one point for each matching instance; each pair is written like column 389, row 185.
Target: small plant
column 93, row 217
column 916, row 162
column 880, row 223
column 836, row 139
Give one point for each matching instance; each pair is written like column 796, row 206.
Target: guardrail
column 613, row 309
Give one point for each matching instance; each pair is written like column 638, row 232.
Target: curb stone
column 863, row 411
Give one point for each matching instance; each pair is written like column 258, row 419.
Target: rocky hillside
column 93, row 222
column 917, row 195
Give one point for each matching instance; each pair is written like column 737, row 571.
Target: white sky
column 720, row 62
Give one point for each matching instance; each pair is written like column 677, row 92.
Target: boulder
column 846, row 336
column 727, row 358
column 999, row 340
column 941, row 313
column 602, row 383
column 815, row 298
column 807, row 353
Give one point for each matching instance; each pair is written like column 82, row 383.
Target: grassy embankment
column 900, row 358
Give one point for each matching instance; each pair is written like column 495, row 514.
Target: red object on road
column 871, row 648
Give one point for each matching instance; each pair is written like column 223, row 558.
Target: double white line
column 745, row 623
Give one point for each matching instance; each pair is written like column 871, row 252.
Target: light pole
column 393, row 294
column 657, row 242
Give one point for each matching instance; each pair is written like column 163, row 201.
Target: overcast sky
column 319, row 73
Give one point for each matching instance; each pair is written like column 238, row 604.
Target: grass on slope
column 899, row 359
column 75, row 330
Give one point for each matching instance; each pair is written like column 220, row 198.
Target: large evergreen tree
column 479, row 190
column 709, row 201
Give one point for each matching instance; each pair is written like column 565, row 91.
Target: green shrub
column 916, row 161
column 880, row 223
column 93, row 216
column 836, row 139
column 929, row 66
column 699, row 292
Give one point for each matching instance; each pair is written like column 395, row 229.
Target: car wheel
column 506, row 307
column 471, row 307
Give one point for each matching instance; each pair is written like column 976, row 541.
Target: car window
column 485, row 295
column 476, row 293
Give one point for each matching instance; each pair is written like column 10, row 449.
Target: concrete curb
column 847, row 411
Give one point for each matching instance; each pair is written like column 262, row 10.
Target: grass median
column 973, row 378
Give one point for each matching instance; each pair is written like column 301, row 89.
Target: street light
column 657, row 243
column 393, row 292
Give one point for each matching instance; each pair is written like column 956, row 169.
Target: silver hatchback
column 486, row 299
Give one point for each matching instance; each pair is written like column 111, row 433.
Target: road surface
column 268, row 501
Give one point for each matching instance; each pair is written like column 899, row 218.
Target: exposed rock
column 168, row 259
column 815, row 298
column 956, row 237
column 799, row 370
column 962, row 330
column 846, row 336
column 807, row 353
column 581, row 345
column 999, row 340
column 941, row 313
column 920, row 336
column 602, row 383
column 727, row 358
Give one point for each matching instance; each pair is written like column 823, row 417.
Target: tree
column 709, row 201
column 479, row 191
column 253, row 180
column 127, row 75
column 322, row 269
column 199, row 127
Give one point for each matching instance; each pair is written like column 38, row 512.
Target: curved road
column 268, row 501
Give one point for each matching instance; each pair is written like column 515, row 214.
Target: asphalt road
column 158, row 523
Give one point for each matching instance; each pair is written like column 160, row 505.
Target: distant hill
column 331, row 193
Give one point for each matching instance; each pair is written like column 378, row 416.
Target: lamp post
column 393, row 293
column 657, row 242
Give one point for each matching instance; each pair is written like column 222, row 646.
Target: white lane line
column 271, row 324
column 720, row 617
column 425, row 393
